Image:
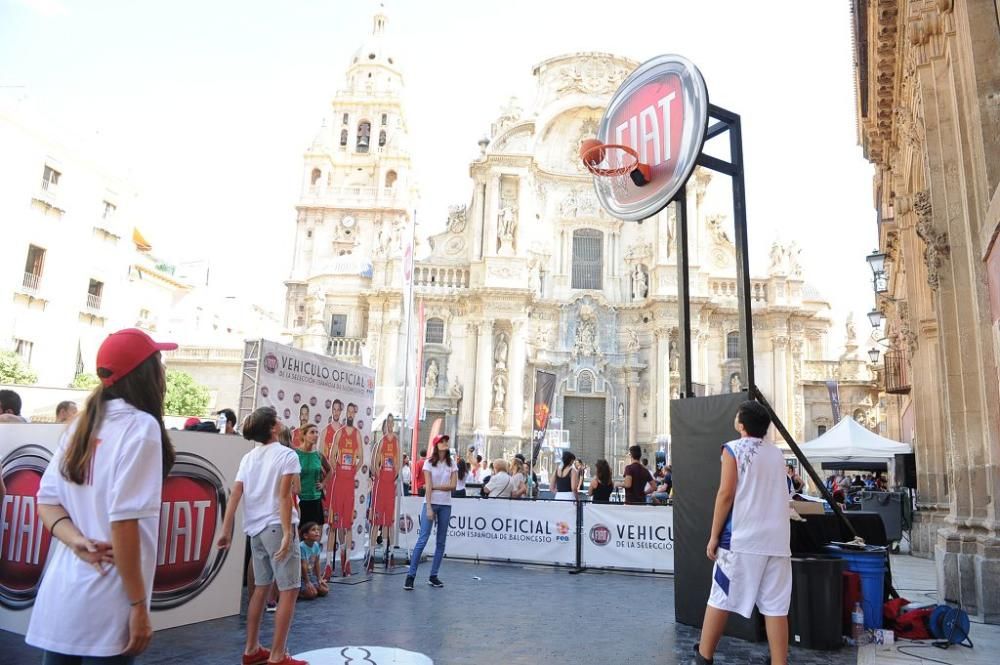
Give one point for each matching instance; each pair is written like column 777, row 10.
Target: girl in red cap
column 100, row 500
column 440, row 477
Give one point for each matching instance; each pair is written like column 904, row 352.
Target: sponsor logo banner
column 339, row 398
column 194, row 580
column 633, row 537
column 530, row 531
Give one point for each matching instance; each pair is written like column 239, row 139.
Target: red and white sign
column 194, row 580
column 616, row 535
column 661, row 112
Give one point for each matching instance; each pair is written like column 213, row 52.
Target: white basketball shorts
column 741, row 580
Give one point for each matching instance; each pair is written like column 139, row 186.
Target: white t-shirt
column 260, row 472
column 500, row 485
column 406, row 475
column 516, row 482
column 440, row 475
column 77, row 610
column 758, row 522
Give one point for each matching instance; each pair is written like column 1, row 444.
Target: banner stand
column 579, row 540
column 352, row 580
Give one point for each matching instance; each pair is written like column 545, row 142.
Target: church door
column 584, row 418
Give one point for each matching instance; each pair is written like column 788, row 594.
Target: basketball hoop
column 619, row 164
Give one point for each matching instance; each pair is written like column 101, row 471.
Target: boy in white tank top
column 750, row 538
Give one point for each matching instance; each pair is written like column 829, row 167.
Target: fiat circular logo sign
column 600, row 535
column 194, row 503
column 661, row 112
column 24, row 541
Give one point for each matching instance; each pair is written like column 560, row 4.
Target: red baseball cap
column 125, row 350
column 441, row 437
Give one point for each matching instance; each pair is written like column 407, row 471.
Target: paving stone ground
column 510, row 615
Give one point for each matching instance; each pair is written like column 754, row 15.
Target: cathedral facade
column 529, row 273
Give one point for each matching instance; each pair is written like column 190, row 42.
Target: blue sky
column 207, row 107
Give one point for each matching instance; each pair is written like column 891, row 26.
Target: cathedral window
column 820, row 430
column 314, row 178
column 385, row 119
column 338, row 325
column 733, row 345
column 390, row 179
column 343, row 137
column 435, row 331
column 364, row 136
column 588, row 259
column 347, row 117
column 381, row 138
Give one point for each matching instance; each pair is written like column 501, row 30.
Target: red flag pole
column 420, row 366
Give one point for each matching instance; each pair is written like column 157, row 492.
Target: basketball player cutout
column 332, row 427
column 346, row 456
column 303, row 421
column 385, row 471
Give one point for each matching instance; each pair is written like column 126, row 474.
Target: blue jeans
column 442, row 515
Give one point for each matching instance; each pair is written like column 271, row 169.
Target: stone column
column 515, row 383
column 476, row 218
column 661, row 392
column 633, row 410
column 470, row 389
column 780, row 345
column 484, row 376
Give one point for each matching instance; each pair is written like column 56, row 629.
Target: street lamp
column 875, row 318
column 876, row 261
column 873, row 354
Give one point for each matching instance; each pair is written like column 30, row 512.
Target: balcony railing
column 726, row 288
column 441, row 277
column 205, row 354
column 346, row 348
column 897, row 377
column 366, row 195
column 93, row 302
column 49, row 187
column 30, row 282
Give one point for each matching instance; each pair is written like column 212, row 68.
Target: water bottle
column 858, row 624
column 221, row 423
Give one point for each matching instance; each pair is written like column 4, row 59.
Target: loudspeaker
column 699, row 426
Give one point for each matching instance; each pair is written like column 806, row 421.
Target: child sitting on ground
column 312, row 582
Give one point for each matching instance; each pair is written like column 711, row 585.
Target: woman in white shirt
column 100, row 495
column 440, row 478
column 518, row 487
column 406, row 476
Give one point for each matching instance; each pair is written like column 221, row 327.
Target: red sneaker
column 346, row 572
column 258, row 657
column 288, row 660
column 328, row 573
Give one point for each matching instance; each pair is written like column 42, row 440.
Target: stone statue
column 569, row 204
column 718, row 233
column 777, row 257
column 456, row 388
column 316, row 301
column 430, row 383
column 586, row 337
column 500, row 352
column 499, row 391
column 639, row 285
column 673, row 355
column 508, row 223
column 631, row 340
column 852, row 334
column 794, row 267
column 735, row 384
column 456, row 219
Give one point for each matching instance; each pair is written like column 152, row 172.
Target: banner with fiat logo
column 194, row 580
column 339, row 398
column 630, row 537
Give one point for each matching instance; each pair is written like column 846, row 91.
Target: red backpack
column 912, row 625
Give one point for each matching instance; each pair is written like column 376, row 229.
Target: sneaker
column 271, row 607
column 327, row 573
column 408, row 584
column 435, row 582
column 258, row 657
column 288, row 660
column 698, row 658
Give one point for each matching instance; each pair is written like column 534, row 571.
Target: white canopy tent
column 848, row 441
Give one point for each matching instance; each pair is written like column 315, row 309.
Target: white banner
column 635, row 537
column 194, row 580
column 337, row 397
column 530, row 531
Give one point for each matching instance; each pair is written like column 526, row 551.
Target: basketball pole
column 727, row 121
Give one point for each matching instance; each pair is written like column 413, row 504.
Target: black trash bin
column 814, row 619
